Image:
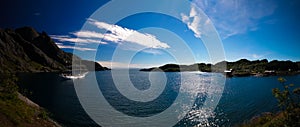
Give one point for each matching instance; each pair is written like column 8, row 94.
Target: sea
column 127, row 97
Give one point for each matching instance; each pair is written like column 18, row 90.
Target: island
column 242, row 67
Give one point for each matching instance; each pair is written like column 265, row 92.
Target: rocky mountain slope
column 26, row 50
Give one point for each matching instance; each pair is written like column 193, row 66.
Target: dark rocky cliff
column 26, row 50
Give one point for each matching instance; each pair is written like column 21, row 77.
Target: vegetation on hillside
column 26, row 50
column 289, row 103
column 15, row 112
column 241, row 67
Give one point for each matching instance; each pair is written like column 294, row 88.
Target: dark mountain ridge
column 242, row 67
column 26, row 50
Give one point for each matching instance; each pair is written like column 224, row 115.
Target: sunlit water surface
column 242, row 98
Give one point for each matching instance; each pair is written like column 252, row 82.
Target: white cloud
column 64, row 38
column 232, row 17
column 255, row 56
column 127, row 38
column 152, row 51
column 118, row 34
column 74, row 47
column 207, row 22
column 259, row 56
column 184, row 18
column 193, row 12
column 192, row 21
column 88, row 34
column 114, row 65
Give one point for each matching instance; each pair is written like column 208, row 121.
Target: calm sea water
column 242, row 98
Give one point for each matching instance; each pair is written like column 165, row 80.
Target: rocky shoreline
column 36, row 106
column 246, row 74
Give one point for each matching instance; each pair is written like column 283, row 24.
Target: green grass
column 17, row 111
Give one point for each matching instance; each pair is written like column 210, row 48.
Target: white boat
column 78, row 76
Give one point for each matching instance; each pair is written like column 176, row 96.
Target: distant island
column 238, row 68
column 26, row 50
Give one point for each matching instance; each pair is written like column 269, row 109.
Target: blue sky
column 251, row 29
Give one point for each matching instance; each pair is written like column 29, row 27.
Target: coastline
column 247, row 74
column 233, row 74
column 240, row 68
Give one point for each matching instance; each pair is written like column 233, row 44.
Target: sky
column 251, row 29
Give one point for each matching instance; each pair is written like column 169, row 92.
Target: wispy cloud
column 259, row 56
column 232, row 17
column 118, row 34
column 88, row 34
column 37, row 14
column 255, row 56
column 152, row 51
column 113, row 65
column 128, row 39
column 60, row 45
column 64, row 38
column 193, row 21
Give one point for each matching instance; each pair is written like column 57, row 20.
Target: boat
column 70, row 76
column 228, row 73
column 77, row 74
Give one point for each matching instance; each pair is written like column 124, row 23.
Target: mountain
column 26, row 50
